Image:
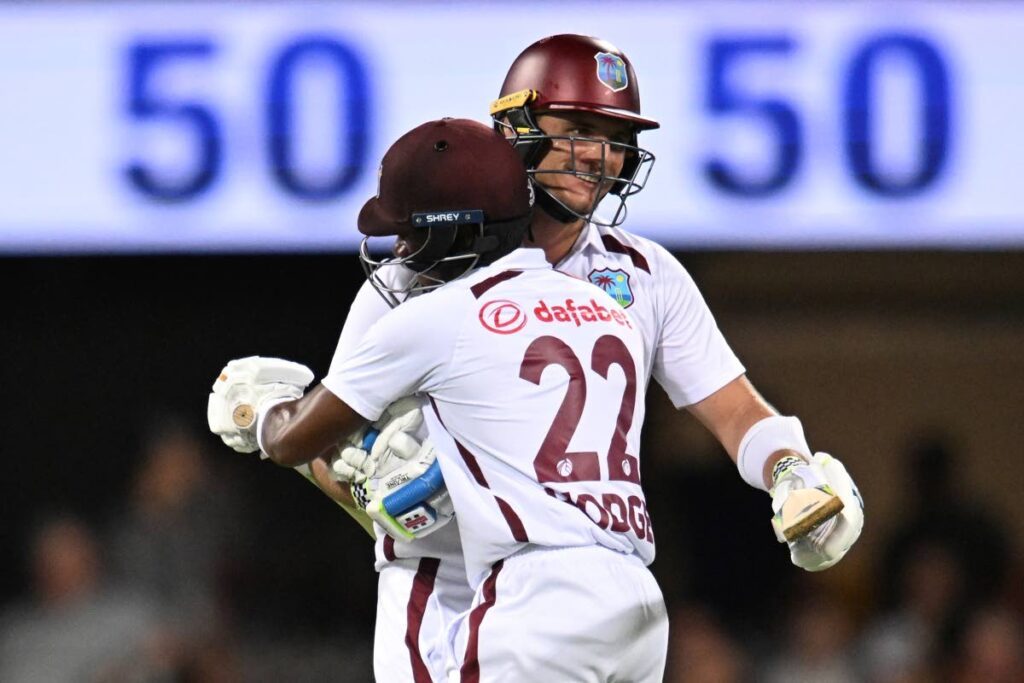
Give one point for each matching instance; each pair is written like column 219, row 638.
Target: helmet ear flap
column 440, row 239
column 630, row 166
column 500, row 238
column 521, row 123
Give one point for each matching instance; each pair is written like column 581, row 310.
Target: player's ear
column 401, row 248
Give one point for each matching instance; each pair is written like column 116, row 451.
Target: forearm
column 813, row 497
column 296, row 432
column 730, row 414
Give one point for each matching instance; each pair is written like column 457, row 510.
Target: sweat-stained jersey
column 536, row 382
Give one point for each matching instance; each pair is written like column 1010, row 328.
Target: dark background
column 878, row 353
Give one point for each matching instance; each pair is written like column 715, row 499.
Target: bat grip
column 369, row 438
column 416, row 491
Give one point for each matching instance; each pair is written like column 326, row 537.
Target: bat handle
column 417, row 491
column 370, row 438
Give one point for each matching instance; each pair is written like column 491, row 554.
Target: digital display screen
column 260, row 126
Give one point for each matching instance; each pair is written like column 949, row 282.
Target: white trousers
column 417, row 601
column 586, row 614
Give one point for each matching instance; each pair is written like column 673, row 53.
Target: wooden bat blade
column 804, row 510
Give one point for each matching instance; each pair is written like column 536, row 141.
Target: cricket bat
column 245, row 414
column 804, row 511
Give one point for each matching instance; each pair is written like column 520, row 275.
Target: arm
column 696, row 367
column 366, row 309
column 248, row 390
column 817, row 507
column 730, row 412
column 257, row 404
column 295, row 432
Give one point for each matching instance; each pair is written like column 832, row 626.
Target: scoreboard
column 220, row 126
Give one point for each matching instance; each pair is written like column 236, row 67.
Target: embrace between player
column 534, row 413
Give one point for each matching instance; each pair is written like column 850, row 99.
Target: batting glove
column 409, row 502
column 382, row 447
column 825, row 545
column 246, row 387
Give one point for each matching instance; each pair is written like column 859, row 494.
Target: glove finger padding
column 402, row 409
column 346, row 473
column 830, row 542
column 398, row 446
column 396, row 443
column 353, row 464
column 391, row 447
column 405, row 417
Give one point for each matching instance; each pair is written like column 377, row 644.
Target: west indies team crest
column 615, row 282
column 611, row 71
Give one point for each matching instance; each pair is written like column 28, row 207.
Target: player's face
column 581, row 156
column 408, row 243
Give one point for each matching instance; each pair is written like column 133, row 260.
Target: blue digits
column 353, row 107
column 722, row 98
column 934, row 113
column 145, row 104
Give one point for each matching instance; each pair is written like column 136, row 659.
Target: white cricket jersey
column 684, row 350
column 686, row 353
column 538, row 380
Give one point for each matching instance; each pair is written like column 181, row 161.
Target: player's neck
column 553, row 236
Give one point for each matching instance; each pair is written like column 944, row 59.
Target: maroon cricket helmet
column 457, row 192
column 578, row 73
column 572, row 73
column 447, row 166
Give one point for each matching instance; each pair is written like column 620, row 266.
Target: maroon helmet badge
column 611, row 71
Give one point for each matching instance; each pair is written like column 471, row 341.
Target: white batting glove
column 244, row 388
column 828, row 543
column 395, row 443
column 420, row 517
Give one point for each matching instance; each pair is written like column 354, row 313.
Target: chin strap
column 552, row 206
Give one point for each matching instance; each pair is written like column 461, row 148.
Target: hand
column 319, row 472
column 246, row 386
column 406, row 497
column 828, row 543
column 384, row 446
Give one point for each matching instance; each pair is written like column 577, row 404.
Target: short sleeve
column 405, row 352
column 367, row 308
column 692, row 359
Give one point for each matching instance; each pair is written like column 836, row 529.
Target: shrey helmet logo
column 611, row 71
column 502, row 316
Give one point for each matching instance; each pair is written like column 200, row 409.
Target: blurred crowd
column 178, row 584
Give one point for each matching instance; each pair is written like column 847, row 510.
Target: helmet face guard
column 532, row 143
column 448, row 251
